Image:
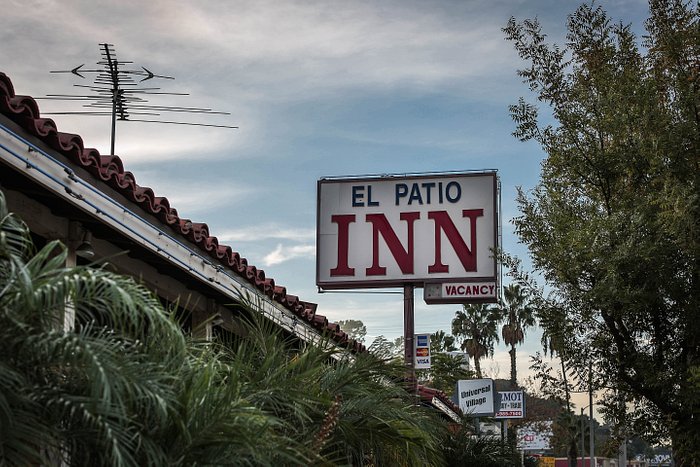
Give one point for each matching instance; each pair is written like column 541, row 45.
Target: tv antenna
column 116, row 93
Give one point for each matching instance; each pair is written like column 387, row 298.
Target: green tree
column 117, row 389
column 464, row 449
column 335, row 410
column 518, row 316
column 389, row 350
column 442, row 342
column 476, row 325
column 127, row 388
column 445, row 369
column 355, row 328
column 613, row 223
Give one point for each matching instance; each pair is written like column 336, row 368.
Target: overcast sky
column 318, row 88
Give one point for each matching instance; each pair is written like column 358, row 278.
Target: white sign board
column 421, row 351
column 461, row 292
column 476, row 397
column 535, row 436
column 512, row 404
column 395, row 230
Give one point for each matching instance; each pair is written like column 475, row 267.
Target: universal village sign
column 437, row 232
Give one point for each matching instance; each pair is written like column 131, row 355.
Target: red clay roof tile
column 24, row 111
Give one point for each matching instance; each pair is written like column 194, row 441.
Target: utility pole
column 408, row 334
column 583, row 442
column 591, row 435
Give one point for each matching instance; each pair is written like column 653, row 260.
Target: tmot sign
column 396, row 230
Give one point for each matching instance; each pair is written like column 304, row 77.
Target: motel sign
column 395, row 230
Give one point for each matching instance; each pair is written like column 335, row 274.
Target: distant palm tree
column 336, row 409
column 476, row 326
column 441, row 342
column 518, row 316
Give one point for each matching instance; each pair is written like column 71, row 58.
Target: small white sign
column 461, row 292
column 512, row 404
column 535, row 436
column 476, row 397
column 421, row 351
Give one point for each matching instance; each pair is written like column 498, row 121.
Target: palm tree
column 476, row 325
column 92, row 395
column 126, row 387
column 518, row 316
column 441, row 342
column 553, row 343
column 335, row 409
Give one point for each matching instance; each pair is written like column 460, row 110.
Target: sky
column 317, row 89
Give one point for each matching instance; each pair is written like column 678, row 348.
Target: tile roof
column 24, row 111
column 426, row 394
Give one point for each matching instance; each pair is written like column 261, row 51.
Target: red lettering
column 443, row 223
column 403, row 257
column 460, row 290
column 343, row 221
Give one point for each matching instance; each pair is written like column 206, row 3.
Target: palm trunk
column 513, row 370
column 477, row 367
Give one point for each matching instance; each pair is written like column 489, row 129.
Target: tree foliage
column 355, row 328
column 476, row 325
column 518, row 317
column 464, row 449
column 442, row 342
column 613, row 223
column 386, row 349
column 126, row 387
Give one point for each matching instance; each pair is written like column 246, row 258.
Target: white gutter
column 444, row 408
column 60, row 179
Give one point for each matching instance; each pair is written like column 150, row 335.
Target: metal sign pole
column 408, row 333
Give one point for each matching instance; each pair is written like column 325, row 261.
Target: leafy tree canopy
column 355, row 328
column 613, row 223
column 442, row 342
column 126, row 387
column 476, row 325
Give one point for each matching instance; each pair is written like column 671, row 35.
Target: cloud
column 282, row 254
column 330, row 47
column 267, row 231
column 263, row 50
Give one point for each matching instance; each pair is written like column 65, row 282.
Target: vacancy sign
column 422, row 351
column 391, row 231
column 461, row 292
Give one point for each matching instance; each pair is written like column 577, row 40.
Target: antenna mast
column 115, row 92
